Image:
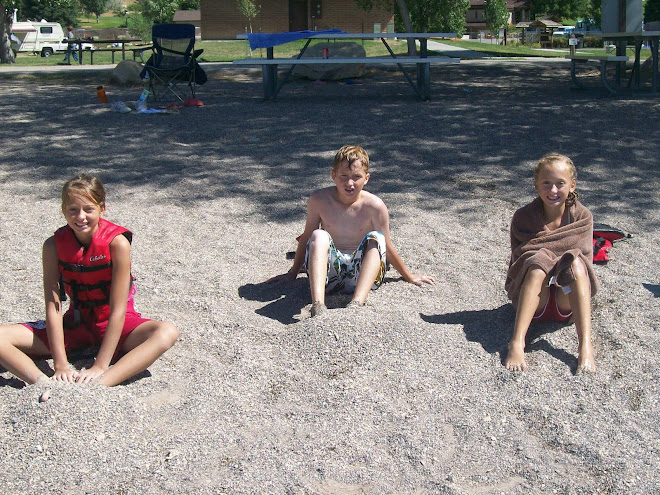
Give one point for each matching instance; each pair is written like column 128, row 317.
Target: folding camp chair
column 173, row 62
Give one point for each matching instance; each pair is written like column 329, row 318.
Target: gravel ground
column 407, row 395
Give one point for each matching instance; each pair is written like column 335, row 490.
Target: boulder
column 332, row 72
column 127, row 73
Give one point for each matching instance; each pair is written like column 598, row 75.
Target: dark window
column 46, row 30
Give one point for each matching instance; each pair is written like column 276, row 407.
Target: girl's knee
column 535, row 275
column 579, row 269
column 167, row 333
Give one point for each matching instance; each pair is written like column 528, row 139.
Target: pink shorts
column 87, row 334
column 551, row 311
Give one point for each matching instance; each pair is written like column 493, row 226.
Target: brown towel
column 533, row 245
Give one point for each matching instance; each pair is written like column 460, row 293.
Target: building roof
column 187, row 16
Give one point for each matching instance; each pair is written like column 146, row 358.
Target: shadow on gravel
column 285, row 300
column 653, row 289
column 492, row 329
column 489, row 327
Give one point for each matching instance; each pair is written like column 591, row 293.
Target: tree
column 96, row 7
column 158, row 11
column 424, row 16
column 189, row 4
column 497, row 16
column 652, row 11
column 249, row 10
column 570, row 9
column 63, row 11
column 6, row 15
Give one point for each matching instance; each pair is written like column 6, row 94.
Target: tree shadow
column 653, row 289
column 492, row 329
column 285, row 300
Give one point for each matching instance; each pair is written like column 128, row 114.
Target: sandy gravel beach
column 405, row 396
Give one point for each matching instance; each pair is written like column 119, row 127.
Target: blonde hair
column 558, row 158
column 351, row 154
column 84, row 185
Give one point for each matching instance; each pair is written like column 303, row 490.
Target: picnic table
column 638, row 37
column 116, row 45
column 272, row 83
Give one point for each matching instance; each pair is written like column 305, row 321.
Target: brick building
column 222, row 20
column 519, row 11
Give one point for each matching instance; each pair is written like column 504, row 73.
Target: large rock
column 127, row 73
column 332, row 72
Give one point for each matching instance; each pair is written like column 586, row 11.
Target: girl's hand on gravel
column 88, row 376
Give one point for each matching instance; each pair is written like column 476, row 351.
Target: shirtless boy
column 346, row 244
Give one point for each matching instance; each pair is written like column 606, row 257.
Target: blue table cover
column 266, row 40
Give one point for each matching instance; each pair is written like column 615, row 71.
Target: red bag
column 604, row 237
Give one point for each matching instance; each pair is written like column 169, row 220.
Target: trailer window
column 46, row 29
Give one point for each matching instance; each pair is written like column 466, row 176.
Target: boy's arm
column 120, row 254
column 54, row 324
column 311, row 224
column 382, row 224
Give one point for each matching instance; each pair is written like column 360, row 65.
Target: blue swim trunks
column 343, row 269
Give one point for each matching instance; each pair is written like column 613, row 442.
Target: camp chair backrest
column 173, row 44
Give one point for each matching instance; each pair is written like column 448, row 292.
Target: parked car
column 585, row 28
column 563, row 31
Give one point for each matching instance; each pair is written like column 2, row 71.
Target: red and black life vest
column 86, row 272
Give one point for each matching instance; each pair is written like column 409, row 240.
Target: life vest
column 86, row 272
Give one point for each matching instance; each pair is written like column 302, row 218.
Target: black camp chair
column 173, row 64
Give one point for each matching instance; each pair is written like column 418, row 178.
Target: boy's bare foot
column 586, row 362
column 354, row 304
column 318, row 308
column 515, row 358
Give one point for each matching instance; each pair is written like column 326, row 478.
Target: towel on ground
column 553, row 251
column 266, row 40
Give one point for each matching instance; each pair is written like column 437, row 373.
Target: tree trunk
column 407, row 23
column 6, row 54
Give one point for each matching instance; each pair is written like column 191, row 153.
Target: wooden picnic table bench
column 272, row 83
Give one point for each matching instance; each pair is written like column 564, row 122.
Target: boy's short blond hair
column 351, row 154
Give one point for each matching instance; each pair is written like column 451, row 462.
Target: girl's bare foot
column 586, row 362
column 515, row 359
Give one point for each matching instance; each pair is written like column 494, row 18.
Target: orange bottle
column 100, row 92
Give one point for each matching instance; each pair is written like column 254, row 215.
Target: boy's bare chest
column 347, row 225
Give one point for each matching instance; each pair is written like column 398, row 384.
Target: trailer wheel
column 46, row 52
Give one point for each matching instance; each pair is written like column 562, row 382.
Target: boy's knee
column 320, row 236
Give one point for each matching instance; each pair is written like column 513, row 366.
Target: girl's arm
column 120, row 253
column 54, row 325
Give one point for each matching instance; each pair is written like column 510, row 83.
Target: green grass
column 107, row 20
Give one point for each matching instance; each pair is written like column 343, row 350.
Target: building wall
column 221, row 19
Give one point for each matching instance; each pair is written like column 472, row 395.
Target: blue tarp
column 266, row 40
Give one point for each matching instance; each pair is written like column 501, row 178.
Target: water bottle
column 100, row 92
